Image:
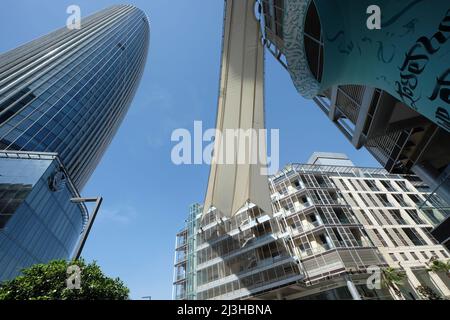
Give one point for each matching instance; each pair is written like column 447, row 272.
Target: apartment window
column 429, row 235
column 385, row 217
column 387, row 185
column 344, row 185
column 325, row 216
column 304, row 201
column 342, row 217
column 372, row 198
column 352, row 197
column 415, row 216
column 364, row 217
column 374, row 214
column 414, row 237
column 320, row 197
column 323, row 241
column 402, row 185
column 338, row 236
column 296, row 223
column 400, row 237
column 354, row 184
column 424, row 254
column 393, row 257
column 282, row 189
column 404, row 257
column 305, row 248
column 444, row 253
column 392, row 239
column 433, row 254
column 416, row 199
column 357, row 237
column 399, row 198
column 371, row 184
column 289, row 206
column 396, row 214
column 413, row 254
column 363, row 198
column 321, row 181
column 384, row 200
column 380, row 238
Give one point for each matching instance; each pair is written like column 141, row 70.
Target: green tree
column 50, row 282
column 393, row 278
column 440, row 266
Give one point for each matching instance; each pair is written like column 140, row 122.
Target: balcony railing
column 316, row 250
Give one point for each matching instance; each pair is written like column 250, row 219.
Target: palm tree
column 392, row 278
column 439, row 266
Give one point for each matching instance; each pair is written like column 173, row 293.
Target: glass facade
column 185, row 273
column 67, row 92
column 62, row 98
column 38, row 222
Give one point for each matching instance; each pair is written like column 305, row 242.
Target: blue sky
column 146, row 197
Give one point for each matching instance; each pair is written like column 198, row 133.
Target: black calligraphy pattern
column 415, row 63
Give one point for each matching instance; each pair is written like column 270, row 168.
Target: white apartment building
column 333, row 225
column 388, row 209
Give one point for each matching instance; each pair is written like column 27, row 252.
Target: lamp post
column 98, row 202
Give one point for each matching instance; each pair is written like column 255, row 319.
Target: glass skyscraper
column 62, row 98
column 67, row 92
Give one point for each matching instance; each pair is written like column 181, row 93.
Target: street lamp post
column 98, row 202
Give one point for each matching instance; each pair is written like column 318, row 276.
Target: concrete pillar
column 437, row 281
column 318, row 218
column 357, row 139
column 302, row 185
column 329, row 242
column 413, row 281
column 352, row 288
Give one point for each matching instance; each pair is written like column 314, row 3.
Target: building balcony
column 310, row 206
column 316, row 250
column 306, row 227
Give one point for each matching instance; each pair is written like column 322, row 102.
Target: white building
column 334, row 225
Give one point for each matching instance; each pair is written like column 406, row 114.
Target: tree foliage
column 440, row 266
column 49, row 282
column 393, row 278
